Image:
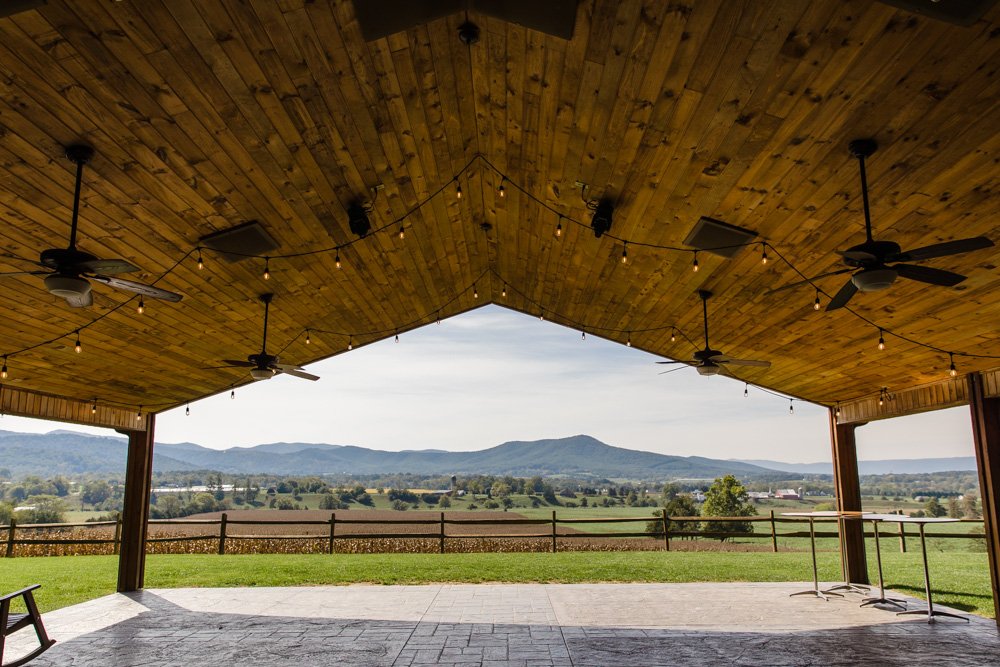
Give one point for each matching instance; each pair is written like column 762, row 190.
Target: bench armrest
column 23, row 591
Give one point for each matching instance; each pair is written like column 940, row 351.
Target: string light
column 504, row 292
column 881, row 339
column 952, row 371
column 625, row 253
column 694, row 265
column 437, row 318
column 763, row 253
column 816, row 302
column 201, row 264
column 187, row 411
column 3, row 372
column 350, row 342
column 267, row 269
column 458, row 191
column 502, row 192
column 475, row 292
column 628, row 340
column 336, row 259
column 541, row 316
column 791, row 407
column 79, row 346
column 402, row 232
column 746, row 390
column 138, row 414
column 673, row 335
column 559, row 227
column 583, row 335
column 836, row 410
column 141, row 308
column 93, row 407
column 232, row 394
column 397, row 335
column 308, row 338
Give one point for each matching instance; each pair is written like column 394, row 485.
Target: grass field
column 960, row 580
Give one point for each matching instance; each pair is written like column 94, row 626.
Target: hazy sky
column 493, row 375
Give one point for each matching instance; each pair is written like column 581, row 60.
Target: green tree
column 954, row 511
column 970, row 506
column 44, row 509
column 727, row 497
column 400, row 506
column 444, row 502
column 934, row 508
column 95, row 492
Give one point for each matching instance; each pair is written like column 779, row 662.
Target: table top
column 870, row 516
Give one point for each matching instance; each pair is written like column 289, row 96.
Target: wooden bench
column 10, row 623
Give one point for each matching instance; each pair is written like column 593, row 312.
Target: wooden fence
column 668, row 528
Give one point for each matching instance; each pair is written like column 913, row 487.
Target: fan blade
column 943, row 249
column 106, row 266
column 926, row 274
column 748, row 362
column 841, row 298
column 239, row 364
column 718, row 358
column 858, row 256
column 81, row 300
column 810, row 280
column 671, row 362
column 24, row 273
column 298, row 374
column 138, row 288
column 679, row 368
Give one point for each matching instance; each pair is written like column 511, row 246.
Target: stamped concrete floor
column 523, row 625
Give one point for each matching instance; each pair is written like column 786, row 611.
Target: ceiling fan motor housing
column 261, row 373
column 708, row 368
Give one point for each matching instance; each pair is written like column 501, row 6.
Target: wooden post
column 666, row 532
column 847, row 486
column 441, row 537
column 774, row 535
column 135, row 514
column 986, row 438
column 553, row 531
column 333, row 530
column 902, row 539
column 222, row 534
column 10, row 537
column 118, row 534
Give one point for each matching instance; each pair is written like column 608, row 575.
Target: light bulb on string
column 336, row 259
column 201, row 264
column 397, row 335
column 78, row 347
column 628, row 340
column 763, row 253
column 836, row 410
column 694, row 265
column 541, row 316
column 350, row 342
column 881, row 340
column 458, row 191
column 791, row 407
column 475, row 292
column 3, row 373
column 267, row 268
column 583, row 335
column 402, row 232
column 501, row 190
column 437, row 318
column 625, row 253
column 816, row 303
column 138, row 414
column 93, row 407
column 308, row 338
column 746, row 390
column 187, row 411
column 559, row 227
column 141, row 308
column 504, row 292
column 673, row 336
column 952, row 371
column 232, row 394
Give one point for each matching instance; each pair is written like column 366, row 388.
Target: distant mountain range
column 67, row 452
column 884, row 467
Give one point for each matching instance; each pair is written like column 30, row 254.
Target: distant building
column 697, row 496
column 788, row 494
column 759, row 495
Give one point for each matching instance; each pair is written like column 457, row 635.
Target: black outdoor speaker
column 601, row 222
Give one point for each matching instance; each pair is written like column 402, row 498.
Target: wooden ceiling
column 206, row 114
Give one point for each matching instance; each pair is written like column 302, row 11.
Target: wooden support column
column 847, row 486
column 135, row 516
column 986, row 438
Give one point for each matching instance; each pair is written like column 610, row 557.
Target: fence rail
column 665, row 531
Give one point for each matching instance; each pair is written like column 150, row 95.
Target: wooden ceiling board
column 208, row 114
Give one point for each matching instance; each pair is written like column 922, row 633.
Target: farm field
column 960, row 579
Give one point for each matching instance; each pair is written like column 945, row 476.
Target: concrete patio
column 516, row 625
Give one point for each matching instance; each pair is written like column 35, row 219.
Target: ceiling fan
column 709, row 361
column 264, row 366
column 868, row 262
column 68, row 268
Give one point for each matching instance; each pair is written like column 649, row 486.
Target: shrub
column 399, row 505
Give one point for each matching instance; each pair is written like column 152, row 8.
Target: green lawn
column 960, row 579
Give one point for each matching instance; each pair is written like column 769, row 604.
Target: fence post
column 774, row 535
column 118, row 534
column 10, row 537
column 902, row 538
column 441, row 538
column 666, row 530
column 222, row 534
column 553, row 531
column 333, row 529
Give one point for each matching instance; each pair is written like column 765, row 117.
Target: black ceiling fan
column 869, row 262
column 709, row 361
column 67, row 269
column 264, row 366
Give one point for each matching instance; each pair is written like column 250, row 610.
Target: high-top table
column 880, row 598
column 812, row 516
column 931, row 612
